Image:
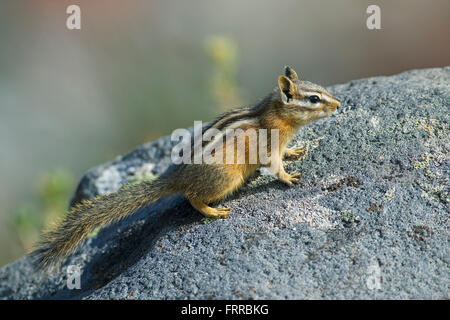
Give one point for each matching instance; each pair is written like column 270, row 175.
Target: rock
column 370, row 218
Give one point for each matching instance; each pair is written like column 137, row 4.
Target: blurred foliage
column 55, row 188
column 223, row 52
column 147, row 176
column 53, row 193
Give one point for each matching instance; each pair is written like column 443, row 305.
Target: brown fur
column 201, row 184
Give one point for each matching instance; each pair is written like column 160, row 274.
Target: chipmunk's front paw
column 290, row 179
column 295, row 153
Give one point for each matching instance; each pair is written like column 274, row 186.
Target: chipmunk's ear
column 290, row 73
column 287, row 88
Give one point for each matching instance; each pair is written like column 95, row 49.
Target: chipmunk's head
column 303, row 100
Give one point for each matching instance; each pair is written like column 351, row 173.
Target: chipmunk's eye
column 314, row 99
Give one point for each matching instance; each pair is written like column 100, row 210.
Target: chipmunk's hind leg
column 209, row 212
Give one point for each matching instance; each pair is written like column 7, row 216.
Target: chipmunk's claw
column 295, row 153
column 218, row 213
column 292, row 178
column 223, row 213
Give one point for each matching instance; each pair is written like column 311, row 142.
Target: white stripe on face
column 322, row 96
column 304, row 103
column 327, row 98
column 307, row 94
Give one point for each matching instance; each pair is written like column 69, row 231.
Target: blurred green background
column 72, row 99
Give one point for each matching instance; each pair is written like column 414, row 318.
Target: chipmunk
column 293, row 103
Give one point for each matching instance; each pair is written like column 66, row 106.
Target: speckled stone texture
column 369, row 220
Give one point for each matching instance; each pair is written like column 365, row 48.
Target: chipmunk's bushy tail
column 87, row 216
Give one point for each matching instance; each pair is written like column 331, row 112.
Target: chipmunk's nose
column 337, row 104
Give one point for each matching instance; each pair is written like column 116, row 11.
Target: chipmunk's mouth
column 336, row 104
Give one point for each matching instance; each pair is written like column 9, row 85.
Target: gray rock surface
column 370, row 218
